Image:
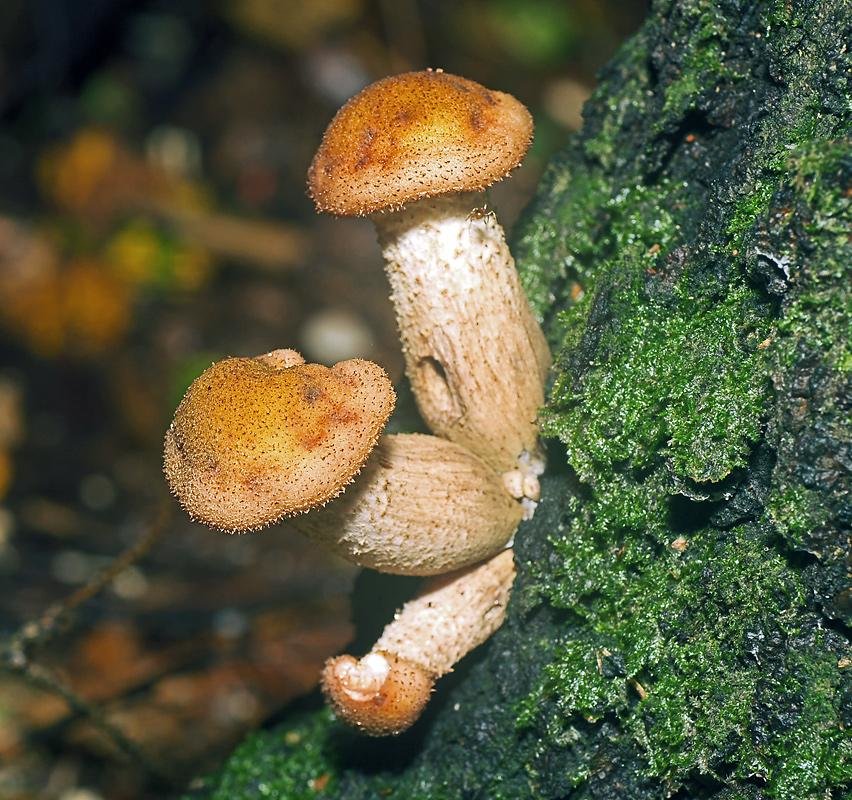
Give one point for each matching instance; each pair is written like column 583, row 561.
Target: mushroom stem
column 421, row 506
column 475, row 354
column 385, row 691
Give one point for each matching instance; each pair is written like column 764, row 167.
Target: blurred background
column 153, row 219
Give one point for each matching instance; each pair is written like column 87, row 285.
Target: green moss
column 552, row 260
column 801, row 121
column 680, row 380
column 749, row 208
column 292, row 762
column 813, row 754
column 704, row 63
column 604, row 148
column 796, row 511
column 674, row 646
column 663, row 389
column 563, row 252
column 820, row 173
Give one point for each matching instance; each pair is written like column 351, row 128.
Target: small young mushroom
column 385, row 691
column 415, row 152
column 259, row 439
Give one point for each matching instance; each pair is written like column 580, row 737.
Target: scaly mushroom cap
column 258, row 439
column 385, row 691
column 419, row 134
column 381, row 694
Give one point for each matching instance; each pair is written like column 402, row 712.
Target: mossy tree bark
column 679, row 624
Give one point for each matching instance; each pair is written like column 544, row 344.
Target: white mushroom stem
column 421, row 506
column 475, row 355
column 452, row 614
column 385, row 691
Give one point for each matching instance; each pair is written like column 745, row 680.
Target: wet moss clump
column 689, row 650
column 679, row 626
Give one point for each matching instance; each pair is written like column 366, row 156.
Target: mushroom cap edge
column 416, row 135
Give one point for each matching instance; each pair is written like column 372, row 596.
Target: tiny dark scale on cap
column 311, row 393
column 413, row 136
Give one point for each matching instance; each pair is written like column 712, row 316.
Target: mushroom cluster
column 415, row 152
column 256, row 440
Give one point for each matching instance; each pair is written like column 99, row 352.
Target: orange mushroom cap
column 258, row 439
column 380, row 694
column 415, row 135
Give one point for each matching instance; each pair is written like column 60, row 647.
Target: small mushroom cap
column 258, row 439
column 415, row 135
column 381, row 694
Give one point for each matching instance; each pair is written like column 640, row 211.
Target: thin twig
column 16, row 650
column 49, row 623
column 41, row 678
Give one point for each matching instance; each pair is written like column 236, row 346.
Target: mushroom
column 259, row 439
column 415, row 152
column 385, row 691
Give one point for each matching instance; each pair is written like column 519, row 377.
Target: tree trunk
column 678, row 625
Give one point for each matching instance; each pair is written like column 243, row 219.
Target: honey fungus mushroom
column 257, row 440
column 414, row 152
column 385, row 691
